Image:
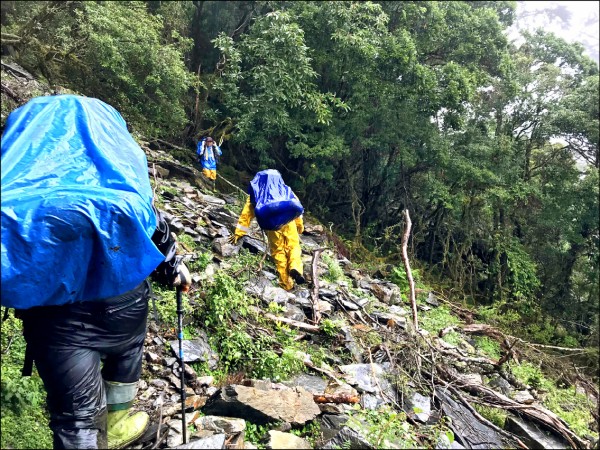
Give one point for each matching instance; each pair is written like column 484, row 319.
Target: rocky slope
column 379, row 384
column 418, row 373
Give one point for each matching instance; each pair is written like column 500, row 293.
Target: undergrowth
column 574, row 408
column 24, row 415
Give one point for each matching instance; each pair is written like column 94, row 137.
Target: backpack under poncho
column 77, row 216
column 275, row 204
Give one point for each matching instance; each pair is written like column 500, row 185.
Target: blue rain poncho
column 206, row 154
column 77, row 216
column 275, row 204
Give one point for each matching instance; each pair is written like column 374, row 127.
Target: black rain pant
column 68, row 343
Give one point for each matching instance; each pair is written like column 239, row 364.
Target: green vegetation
column 311, row 432
column 502, row 185
column 166, row 304
column 187, row 241
column 24, row 416
column 488, row 346
column 495, row 415
column 200, row 262
column 453, row 338
column 334, row 271
column 230, row 322
column 437, row 319
column 383, row 428
column 257, row 433
column 566, row 403
column 330, row 327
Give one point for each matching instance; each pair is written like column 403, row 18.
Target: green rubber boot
column 125, row 427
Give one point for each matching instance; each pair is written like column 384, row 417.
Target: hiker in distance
column 208, row 151
column 278, row 212
column 80, row 236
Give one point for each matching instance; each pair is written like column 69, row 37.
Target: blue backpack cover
column 275, row 204
column 77, row 218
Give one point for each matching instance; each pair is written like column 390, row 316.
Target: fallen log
column 535, row 413
column 335, row 398
column 290, row 322
column 11, row 93
column 315, row 290
column 470, row 429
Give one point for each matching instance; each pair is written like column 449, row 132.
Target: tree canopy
column 367, row 109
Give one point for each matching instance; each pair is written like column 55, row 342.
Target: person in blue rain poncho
column 208, row 151
column 80, row 236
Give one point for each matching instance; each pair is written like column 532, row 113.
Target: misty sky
column 570, row 20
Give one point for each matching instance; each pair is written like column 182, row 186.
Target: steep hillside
column 334, row 364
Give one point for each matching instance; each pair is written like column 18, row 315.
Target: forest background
column 367, row 109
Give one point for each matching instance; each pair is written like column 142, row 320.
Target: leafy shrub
column 495, row 415
column 566, row 403
column 330, row 327
column 187, row 241
column 334, row 271
column 437, row 319
column 24, row 417
column 200, row 262
column 488, row 346
column 453, row 338
column 383, row 428
column 166, row 304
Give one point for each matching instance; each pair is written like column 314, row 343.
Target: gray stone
column 210, row 199
column 207, row 380
column 218, row 424
column 253, row 245
column 349, row 439
column 418, row 407
column 295, row 406
column 216, row 441
column 431, row 300
column 500, row 384
column 279, row 440
column 157, row 382
column 312, row 383
column 327, row 293
column 385, row 317
column 523, row 397
column 224, row 248
column 370, row 401
column 532, row 436
column 190, row 231
column 349, row 304
column 263, row 289
column 295, row 313
column 370, row 378
column 174, row 438
column 196, row 350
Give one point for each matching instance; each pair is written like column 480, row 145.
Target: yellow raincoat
column 284, row 244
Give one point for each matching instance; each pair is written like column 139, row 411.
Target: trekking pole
column 180, row 338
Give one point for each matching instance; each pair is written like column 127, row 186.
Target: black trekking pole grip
column 182, row 373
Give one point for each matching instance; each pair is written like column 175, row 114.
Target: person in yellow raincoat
column 278, row 212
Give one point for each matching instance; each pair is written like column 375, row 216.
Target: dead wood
column 12, row 94
column 169, row 144
column 411, row 283
column 335, row 398
column 290, row 322
column 315, row 290
column 536, row 413
column 478, row 416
